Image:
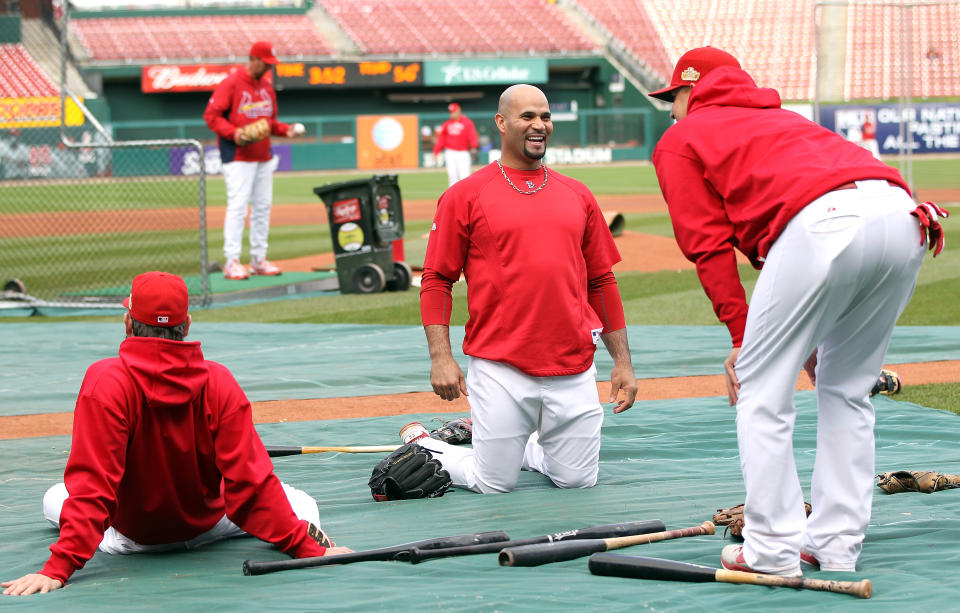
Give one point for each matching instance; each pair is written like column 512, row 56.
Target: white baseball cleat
column 265, row 268
column 235, row 271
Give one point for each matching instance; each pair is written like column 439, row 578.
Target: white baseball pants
column 248, row 183
column 458, row 164
column 837, row 279
column 304, row 506
column 547, row 424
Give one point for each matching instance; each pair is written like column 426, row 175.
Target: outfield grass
column 661, row 298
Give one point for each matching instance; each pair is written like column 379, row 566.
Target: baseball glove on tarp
column 409, row 472
column 732, row 518
column 457, row 431
column 888, row 383
column 925, row 481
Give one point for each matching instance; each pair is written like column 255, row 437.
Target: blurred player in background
column 245, row 96
column 537, row 256
column 839, row 241
column 457, row 139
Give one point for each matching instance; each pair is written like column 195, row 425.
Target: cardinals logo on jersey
column 262, row 106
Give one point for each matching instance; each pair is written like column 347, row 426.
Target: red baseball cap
column 691, row 67
column 453, row 106
column 264, row 51
column 158, row 299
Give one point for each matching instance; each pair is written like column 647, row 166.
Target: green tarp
column 42, row 364
column 672, row 460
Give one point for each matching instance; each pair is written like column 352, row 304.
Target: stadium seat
column 21, row 76
column 451, row 27
column 214, row 37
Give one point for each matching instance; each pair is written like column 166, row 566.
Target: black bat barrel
column 635, row 567
column 547, row 553
column 397, row 552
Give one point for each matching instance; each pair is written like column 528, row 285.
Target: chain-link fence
column 78, row 223
column 81, row 214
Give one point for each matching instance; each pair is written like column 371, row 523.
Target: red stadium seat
column 143, row 39
column 20, row 75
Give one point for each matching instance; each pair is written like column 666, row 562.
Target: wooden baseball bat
column 546, row 553
column 418, row 554
column 251, row 567
column 619, row 565
column 275, row 451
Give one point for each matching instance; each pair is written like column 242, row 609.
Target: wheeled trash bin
column 366, row 217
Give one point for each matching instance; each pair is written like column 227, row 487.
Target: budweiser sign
column 174, row 78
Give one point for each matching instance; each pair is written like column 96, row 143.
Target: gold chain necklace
column 530, row 193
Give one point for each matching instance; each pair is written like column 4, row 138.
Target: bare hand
column 335, row 551
column 239, row 139
column 733, row 384
column 810, row 366
column 447, row 379
column 622, row 378
column 30, row 584
column 296, row 130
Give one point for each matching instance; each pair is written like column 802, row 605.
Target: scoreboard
column 341, row 75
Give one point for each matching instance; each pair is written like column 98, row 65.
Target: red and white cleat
column 235, row 271
column 264, row 268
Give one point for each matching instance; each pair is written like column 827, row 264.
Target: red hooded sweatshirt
column 737, row 169
column 163, row 446
column 238, row 100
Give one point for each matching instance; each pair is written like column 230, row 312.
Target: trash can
column 366, row 217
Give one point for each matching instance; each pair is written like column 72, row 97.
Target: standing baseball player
column 457, row 139
column 164, row 454
column 537, row 256
column 243, row 98
column 840, row 241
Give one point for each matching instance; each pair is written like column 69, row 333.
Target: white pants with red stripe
column 248, row 183
column 547, row 424
column 304, row 506
column 836, row 279
column 458, row 164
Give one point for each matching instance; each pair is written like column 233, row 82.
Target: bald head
column 518, row 94
column 523, row 120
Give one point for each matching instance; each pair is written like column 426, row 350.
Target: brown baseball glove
column 925, row 481
column 732, row 518
column 252, row 132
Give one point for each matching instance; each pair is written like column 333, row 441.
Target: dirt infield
column 145, row 220
column 279, row 411
column 640, row 252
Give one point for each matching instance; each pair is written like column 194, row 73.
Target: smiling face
column 523, row 120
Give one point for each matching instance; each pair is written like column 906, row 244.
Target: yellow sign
column 387, row 141
column 37, row 112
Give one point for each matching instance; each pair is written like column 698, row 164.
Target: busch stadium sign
column 175, row 78
column 484, row 72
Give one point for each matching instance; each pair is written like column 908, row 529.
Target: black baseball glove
column 409, row 472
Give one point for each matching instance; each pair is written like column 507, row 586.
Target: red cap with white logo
column 158, row 299
column 264, row 51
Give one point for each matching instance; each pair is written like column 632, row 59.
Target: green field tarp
column 673, row 460
column 42, row 364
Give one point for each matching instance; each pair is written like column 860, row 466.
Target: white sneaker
column 235, row 271
column 265, row 268
column 412, row 432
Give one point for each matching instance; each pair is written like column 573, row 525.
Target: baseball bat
column 418, row 554
column 559, row 551
column 619, row 565
column 251, row 567
column 275, row 451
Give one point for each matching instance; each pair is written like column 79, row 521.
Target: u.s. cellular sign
column 485, row 72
